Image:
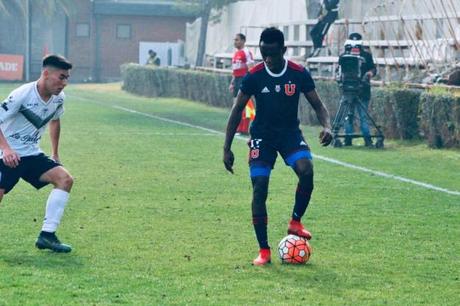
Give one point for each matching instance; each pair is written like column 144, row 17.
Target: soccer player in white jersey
column 24, row 116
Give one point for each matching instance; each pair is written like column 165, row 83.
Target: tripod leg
column 338, row 122
column 368, row 117
column 348, row 122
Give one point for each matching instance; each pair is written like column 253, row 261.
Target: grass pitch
column 154, row 218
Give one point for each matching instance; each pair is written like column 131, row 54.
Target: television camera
column 351, row 83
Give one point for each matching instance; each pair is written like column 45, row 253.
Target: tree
column 203, row 9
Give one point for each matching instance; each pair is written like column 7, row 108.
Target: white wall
column 237, row 17
column 259, row 13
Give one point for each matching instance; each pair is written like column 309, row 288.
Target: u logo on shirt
column 289, row 89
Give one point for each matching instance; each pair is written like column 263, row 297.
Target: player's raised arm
column 232, row 124
column 325, row 136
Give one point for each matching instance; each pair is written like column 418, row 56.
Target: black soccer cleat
column 50, row 241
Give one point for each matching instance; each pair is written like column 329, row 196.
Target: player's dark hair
column 56, row 61
column 242, row 36
column 272, row 35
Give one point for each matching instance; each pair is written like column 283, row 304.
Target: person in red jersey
column 277, row 85
column 242, row 61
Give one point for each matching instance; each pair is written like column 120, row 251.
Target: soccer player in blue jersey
column 276, row 84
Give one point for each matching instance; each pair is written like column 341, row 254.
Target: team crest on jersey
column 254, row 144
column 278, row 88
column 254, row 153
column 289, row 89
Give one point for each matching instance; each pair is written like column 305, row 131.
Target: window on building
column 82, row 30
column 123, row 31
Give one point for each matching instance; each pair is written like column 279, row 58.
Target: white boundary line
column 327, row 159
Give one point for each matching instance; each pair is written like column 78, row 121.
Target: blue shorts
column 263, row 151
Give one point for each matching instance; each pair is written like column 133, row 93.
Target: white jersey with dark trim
column 24, row 117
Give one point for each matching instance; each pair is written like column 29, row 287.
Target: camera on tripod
column 349, row 71
column 352, row 81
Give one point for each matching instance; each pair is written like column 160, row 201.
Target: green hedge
column 401, row 113
column 440, row 119
column 396, row 109
column 194, row 85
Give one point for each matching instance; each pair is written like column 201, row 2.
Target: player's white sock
column 55, row 205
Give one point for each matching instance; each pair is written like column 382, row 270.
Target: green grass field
column 154, row 218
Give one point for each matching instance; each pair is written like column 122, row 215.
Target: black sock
column 46, row 234
column 302, row 197
column 260, row 227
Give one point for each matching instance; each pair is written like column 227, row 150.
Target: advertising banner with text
column 11, row 67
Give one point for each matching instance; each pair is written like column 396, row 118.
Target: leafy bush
column 440, row 119
column 396, row 109
column 402, row 113
column 210, row 88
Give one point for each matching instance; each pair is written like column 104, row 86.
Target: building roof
column 140, row 8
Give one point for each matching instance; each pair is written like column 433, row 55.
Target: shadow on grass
column 43, row 260
column 317, row 277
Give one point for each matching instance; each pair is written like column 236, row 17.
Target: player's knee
column 306, row 174
column 304, row 168
column 65, row 182
column 68, row 181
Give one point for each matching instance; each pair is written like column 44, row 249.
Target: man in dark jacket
column 368, row 70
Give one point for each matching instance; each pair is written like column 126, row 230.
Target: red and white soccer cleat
column 296, row 228
column 263, row 258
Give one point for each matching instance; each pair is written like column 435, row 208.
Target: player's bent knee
column 306, row 172
column 67, row 182
column 63, row 181
column 304, row 168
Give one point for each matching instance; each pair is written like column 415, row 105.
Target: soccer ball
column 294, row 250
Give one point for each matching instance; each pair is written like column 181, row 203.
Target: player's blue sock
column 260, row 227
column 302, row 197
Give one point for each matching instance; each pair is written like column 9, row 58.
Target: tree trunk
column 203, row 33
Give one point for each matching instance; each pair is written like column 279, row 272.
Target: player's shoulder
column 295, row 66
column 257, row 68
column 61, row 96
column 22, row 91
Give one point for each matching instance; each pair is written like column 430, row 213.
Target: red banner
column 11, row 67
